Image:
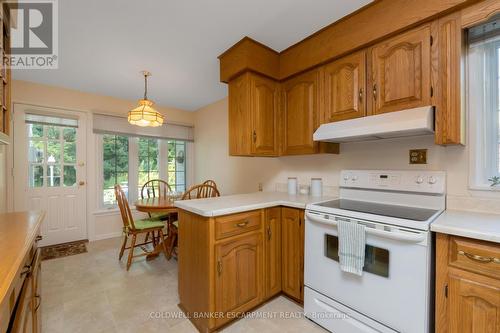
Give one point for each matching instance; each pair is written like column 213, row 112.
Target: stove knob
column 346, row 177
column 419, row 180
column 354, row 178
column 432, row 180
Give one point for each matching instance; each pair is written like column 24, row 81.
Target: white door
column 50, row 170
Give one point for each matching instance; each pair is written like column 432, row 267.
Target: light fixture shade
column 145, row 115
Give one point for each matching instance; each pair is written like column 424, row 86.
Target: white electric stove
column 394, row 294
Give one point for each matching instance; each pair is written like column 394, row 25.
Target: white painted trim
column 106, row 236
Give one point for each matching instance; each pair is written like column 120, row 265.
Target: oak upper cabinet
column 300, row 107
column 344, row 88
column 239, row 275
column 292, row 251
column 272, row 235
column 401, row 72
column 253, row 116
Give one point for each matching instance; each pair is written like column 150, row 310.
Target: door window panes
column 51, row 155
column 35, row 175
column 376, row 259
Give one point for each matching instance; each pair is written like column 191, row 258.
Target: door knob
column 81, row 183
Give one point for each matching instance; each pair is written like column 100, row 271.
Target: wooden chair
column 133, row 228
column 195, row 192
column 210, row 182
column 153, row 189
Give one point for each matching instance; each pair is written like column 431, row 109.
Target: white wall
column 243, row 174
column 100, row 224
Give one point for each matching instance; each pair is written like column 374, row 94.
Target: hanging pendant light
column 144, row 114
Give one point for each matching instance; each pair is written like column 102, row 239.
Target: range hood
column 411, row 122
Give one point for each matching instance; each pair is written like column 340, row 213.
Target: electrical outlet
column 418, row 156
column 260, row 187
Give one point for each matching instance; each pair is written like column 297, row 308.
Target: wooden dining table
column 157, row 205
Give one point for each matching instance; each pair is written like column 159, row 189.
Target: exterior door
column 473, row 306
column 344, row 88
column 273, row 251
column 401, row 71
column 238, row 282
column 292, row 231
column 265, row 99
column 50, row 170
column 300, row 113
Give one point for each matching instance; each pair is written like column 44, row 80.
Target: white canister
column 316, row 187
column 292, row 185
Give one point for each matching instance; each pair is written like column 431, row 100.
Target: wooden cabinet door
column 474, row 307
column 400, row 72
column 265, row 104
column 23, row 321
column 345, row 88
column 300, row 113
column 240, row 121
column 272, row 267
column 292, row 238
column 239, row 278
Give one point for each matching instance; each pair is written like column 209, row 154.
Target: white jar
column 292, row 185
column 316, row 187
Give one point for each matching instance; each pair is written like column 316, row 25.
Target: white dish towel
column 352, row 241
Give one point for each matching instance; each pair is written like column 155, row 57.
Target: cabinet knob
column 254, row 136
column 375, row 91
column 360, row 94
column 269, row 233
column 219, row 267
column 241, row 224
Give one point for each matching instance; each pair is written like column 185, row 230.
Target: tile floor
column 92, row 292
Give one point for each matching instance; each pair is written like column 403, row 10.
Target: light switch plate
column 418, row 156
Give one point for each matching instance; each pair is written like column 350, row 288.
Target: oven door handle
column 409, row 237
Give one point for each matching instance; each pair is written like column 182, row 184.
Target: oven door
column 394, row 288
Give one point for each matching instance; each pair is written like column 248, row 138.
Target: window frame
column 484, row 154
column 133, row 167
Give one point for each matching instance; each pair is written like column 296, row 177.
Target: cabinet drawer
column 237, row 224
column 475, row 256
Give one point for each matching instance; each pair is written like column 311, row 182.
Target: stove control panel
column 409, row 181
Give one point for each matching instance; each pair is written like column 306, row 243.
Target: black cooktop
column 401, row 212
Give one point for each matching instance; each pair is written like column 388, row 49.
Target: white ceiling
column 103, row 45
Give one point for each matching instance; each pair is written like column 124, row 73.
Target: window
column 133, row 161
column 115, row 157
column 484, row 102
column 51, row 155
column 148, row 161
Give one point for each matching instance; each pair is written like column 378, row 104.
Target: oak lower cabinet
column 272, row 235
column 253, row 116
column 401, row 72
column 292, row 251
column 239, row 278
column 231, row 264
column 344, row 88
column 467, row 285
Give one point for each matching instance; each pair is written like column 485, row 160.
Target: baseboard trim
column 107, row 236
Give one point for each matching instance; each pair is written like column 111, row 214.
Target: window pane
column 36, row 175
column 69, row 134
column 53, row 176
column 35, row 130
column 115, row 166
column 53, row 151
column 53, row 132
column 36, row 151
column 69, row 175
column 69, row 152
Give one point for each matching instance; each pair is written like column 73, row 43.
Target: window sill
column 111, row 211
column 485, row 188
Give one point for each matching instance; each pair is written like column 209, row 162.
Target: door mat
column 64, row 250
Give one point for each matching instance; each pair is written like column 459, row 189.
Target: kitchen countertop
column 480, row 226
column 17, row 234
column 244, row 202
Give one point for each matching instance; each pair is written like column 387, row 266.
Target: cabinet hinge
column 432, row 91
column 446, row 291
column 432, row 40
